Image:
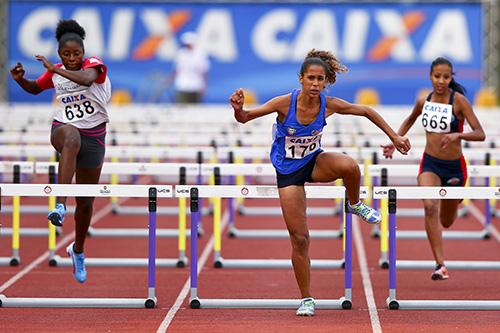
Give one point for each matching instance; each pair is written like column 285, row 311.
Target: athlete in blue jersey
column 443, row 114
column 297, row 156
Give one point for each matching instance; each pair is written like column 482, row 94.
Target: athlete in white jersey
column 79, row 125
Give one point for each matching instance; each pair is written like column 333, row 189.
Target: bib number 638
column 78, row 111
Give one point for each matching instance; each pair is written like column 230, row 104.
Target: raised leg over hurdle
column 197, row 192
column 262, row 169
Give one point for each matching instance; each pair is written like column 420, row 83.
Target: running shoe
column 56, row 215
column 440, row 273
column 78, row 260
column 306, row 307
column 368, row 214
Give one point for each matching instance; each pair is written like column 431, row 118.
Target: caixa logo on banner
column 141, row 32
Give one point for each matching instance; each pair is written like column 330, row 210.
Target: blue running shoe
column 306, row 307
column 367, row 213
column 56, row 215
column 78, row 259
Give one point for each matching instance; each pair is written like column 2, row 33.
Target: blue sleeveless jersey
column 295, row 144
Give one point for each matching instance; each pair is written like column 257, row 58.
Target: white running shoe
column 306, row 307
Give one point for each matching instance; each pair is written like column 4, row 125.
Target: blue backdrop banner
column 388, row 47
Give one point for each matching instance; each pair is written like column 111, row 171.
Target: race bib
column 76, row 106
column 436, row 117
column 298, row 147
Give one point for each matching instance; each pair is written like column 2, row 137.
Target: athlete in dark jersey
column 297, row 156
column 443, row 114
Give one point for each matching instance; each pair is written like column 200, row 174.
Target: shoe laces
column 60, row 209
column 307, row 303
column 361, row 209
column 79, row 261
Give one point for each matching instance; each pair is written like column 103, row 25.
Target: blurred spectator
column 190, row 71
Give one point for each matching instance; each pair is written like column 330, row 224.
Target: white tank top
column 81, row 106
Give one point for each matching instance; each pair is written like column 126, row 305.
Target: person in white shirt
column 191, row 71
column 79, row 122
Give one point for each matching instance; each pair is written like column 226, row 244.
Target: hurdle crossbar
column 140, row 169
column 383, row 172
column 263, row 169
column 424, row 192
column 152, row 192
column 226, row 191
column 136, row 168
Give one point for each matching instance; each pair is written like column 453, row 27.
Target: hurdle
column 480, row 171
column 262, row 169
column 220, row 262
column 85, row 190
column 200, row 154
column 136, row 169
column 27, row 168
column 260, row 153
column 16, row 168
column 415, row 155
column 233, row 191
column 422, row 192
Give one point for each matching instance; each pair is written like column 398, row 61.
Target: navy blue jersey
column 441, row 118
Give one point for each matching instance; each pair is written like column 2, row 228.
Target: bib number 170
column 300, row 151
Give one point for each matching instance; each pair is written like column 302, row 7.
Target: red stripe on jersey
column 463, row 167
column 99, row 65
column 421, row 164
column 45, row 80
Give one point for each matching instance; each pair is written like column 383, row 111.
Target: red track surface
column 45, row 281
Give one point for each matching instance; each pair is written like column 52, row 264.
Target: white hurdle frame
column 456, row 264
column 26, row 168
column 169, row 169
column 423, row 192
column 196, row 192
column 403, row 170
column 85, row 190
column 16, row 168
column 263, row 169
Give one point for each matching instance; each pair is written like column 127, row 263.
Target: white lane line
column 367, row 283
column 66, row 239
column 186, row 288
column 481, row 218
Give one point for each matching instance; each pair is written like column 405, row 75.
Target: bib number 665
column 433, row 121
